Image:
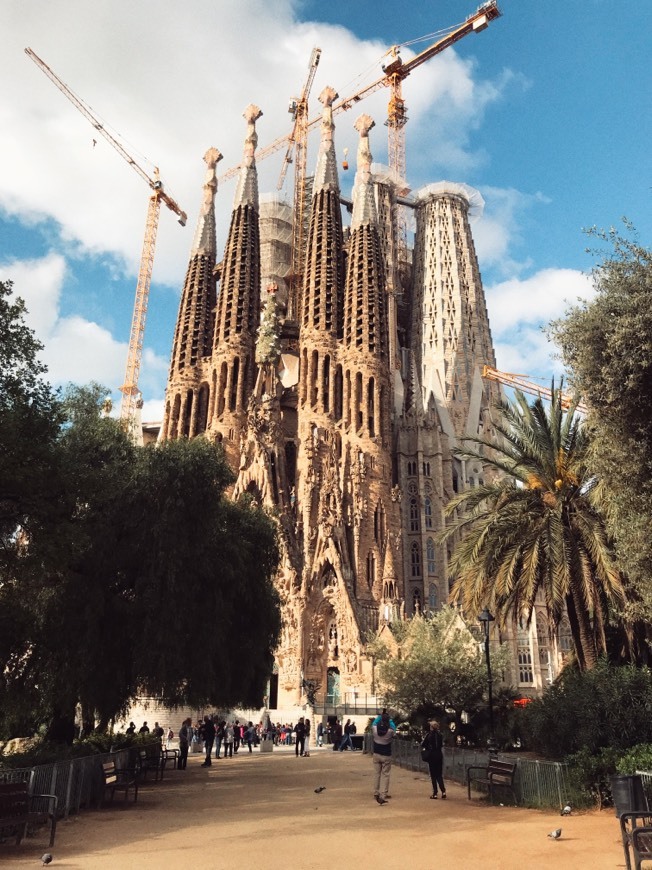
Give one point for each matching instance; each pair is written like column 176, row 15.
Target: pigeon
column 566, row 811
column 46, row 859
column 555, row 835
column 320, row 789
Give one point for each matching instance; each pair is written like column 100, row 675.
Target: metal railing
column 537, row 783
column 77, row 782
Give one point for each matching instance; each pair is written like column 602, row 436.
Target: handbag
column 426, row 754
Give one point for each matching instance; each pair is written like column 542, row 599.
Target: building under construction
column 339, row 393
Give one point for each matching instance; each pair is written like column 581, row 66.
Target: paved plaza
column 261, row 811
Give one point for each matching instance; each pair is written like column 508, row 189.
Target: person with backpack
column 383, row 734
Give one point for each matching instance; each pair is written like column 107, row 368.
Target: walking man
column 185, row 736
column 346, row 739
column 300, row 731
column 383, row 734
column 208, row 736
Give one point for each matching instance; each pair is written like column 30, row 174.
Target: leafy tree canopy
column 606, row 345
column 434, row 663
column 123, row 570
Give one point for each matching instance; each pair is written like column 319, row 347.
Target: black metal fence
column 537, row 783
column 77, row 782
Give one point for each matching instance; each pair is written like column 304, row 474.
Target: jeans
column 382, row 769
column 436, row 766
column 346, row 741
column 218, row 746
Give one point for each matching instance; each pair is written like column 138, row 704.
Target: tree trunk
column 580, row 624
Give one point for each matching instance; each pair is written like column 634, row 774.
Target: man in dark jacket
column 207, row 734
column 300, row 731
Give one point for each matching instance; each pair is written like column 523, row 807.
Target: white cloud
column 75, row 350
column 174, row 79
column 518, row 311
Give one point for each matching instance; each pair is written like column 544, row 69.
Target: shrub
column 637, row 758
column 606, row 707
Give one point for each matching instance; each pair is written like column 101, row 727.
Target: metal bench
column 18, row 809
column 496, row 774
column 118, row 779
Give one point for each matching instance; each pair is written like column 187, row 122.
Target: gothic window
column 412, row 468
column 432, row 597
column 370, row 408
column 524, row 654
column 430, row 552
column 235, row 374
column 379, row 525
column 544, row 647
column 565, row 638
column 338, row 393
column 416, row 602
column 414, row 515
column 326, row 383
column 416, row 560
column 427, row 509
column 371, row 568
column 426, row 469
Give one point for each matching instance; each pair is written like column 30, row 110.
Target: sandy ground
column 261, row 811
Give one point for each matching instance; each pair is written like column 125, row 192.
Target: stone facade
column 340, row 411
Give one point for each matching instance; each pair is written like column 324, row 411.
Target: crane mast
column 297, row 143
column 393, row 75
column 131, row 396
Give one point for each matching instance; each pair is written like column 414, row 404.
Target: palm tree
column 535, row 526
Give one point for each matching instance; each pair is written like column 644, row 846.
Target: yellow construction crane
column 131, row 397
column 296, row 151
column 520, row 382
column 393, row 75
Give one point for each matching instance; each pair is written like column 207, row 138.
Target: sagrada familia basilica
column 338, row 395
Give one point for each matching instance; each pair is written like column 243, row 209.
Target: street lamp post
column 486, row 618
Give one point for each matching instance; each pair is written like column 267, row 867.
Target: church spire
column 247, row 190
column 185, row 409
column 326, row 171
column 205, row 236
column 364, row 204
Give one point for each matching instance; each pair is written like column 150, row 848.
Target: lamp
column 485, row 619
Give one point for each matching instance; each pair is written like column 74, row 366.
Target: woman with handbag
column 432, row 753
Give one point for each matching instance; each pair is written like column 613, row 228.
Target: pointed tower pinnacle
column 326, row 171
column 364, row 205
column 247, row 190
column 205, row 237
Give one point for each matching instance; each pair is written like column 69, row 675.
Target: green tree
column 606, row 345
column 433, row 664
column 535, row 528
column 122, row 569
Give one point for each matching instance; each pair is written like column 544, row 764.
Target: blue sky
column 547, row 113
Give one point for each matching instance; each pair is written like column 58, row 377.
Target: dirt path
column 261, row 811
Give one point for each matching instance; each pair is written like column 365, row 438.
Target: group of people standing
column 432, row 746
column 218, row 733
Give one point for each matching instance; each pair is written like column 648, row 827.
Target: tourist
column 208, row 736
column 157, row 731
column 144, row 729
column 250, row 736
column 185, row 736
column 219, row 737
column 131, row 729
column 432, row 753
column 383, row 734
column 169, row 738
column 306, row 751
column 320, row 734
column 345, row 742
column 228, row 740
column 237, row 736
column 300, row 731
column 337, row 734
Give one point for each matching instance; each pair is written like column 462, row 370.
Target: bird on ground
column 320, row 789
column 555, row 835
column 46, row 859
column 566, row 811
